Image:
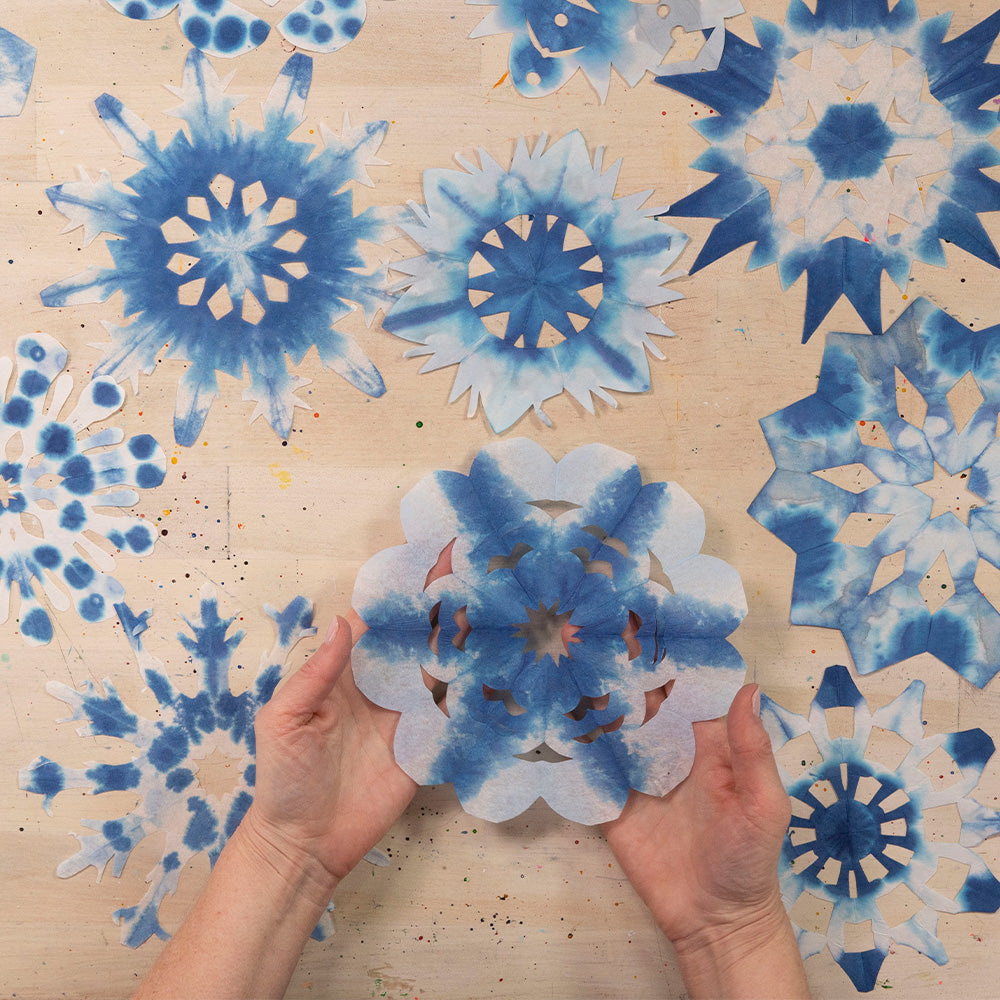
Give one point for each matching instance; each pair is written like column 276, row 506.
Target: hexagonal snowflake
column 550, row 629
column 535, row 280
column 887, row 489
column 17, row 66
column 236, row 247
column 54, row 485
column 165, row 774
column 860, row 843
column 851, row 142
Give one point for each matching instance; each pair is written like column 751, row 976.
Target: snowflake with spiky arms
column 17, row 67
column 858, row 828
column 857, row 118
column 888, row 489
column 535, row 280
column 55, row 483
column 164, row 774
column 236, row 247
column 549, row 630
column 223, row 28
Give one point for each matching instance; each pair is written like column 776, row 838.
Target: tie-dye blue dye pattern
column 53, row 495
column 515, row 722
column 833, row 584
column 17, row 67
column 857, row 829
column 163, row 774
column 223, row 28
column 537, row 277
column 850, row 139
column 237, row 247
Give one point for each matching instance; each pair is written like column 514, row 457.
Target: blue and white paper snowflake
column 223, row 28
column 234, row 247
column 885, row 446
column 535, row 280
column 826, row 127
column 549, row 629
column 17, row 67
column 858, row 828
column 164, row 774
column 555, row 38
column 55, row 483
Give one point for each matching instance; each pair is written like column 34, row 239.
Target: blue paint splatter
column 17, row 67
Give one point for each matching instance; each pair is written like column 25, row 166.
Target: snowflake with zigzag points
column 853, row 117
column 235, row 247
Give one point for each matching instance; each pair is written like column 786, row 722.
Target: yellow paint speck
column 284, row 478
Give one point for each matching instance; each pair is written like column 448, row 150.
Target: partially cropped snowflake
column 888, row 489
column 17, row 66
column 55, row 482
column 223, row 28
column 549, row 629
column 211, row 729
column 235, row 247
column 535, row 280
column 555, row 38
column 860, row 842
column 857, row 118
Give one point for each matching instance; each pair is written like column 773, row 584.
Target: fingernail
column 755, row 702
column 331, row 632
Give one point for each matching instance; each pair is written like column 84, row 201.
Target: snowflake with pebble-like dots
column 56, row 480
column 236, row 247
column 849, row 144
column 864, row 842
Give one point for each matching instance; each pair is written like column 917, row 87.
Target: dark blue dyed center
column 848, row 831
column 851, row 141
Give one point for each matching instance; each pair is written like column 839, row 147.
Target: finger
column 754, row 769
column 307, row 689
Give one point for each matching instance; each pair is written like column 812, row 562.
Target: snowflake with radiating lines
column 859, row 834
column 236, row 247
column 56, row 479
column 17, row 67
column 549, row 630
column 535, row 280
column 223, row 28
column 852, row 142
column 212, row 728
column 888, row 489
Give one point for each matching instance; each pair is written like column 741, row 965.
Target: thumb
column 755, row 772
column 308, row 688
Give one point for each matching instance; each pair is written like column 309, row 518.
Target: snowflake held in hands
column 223, row 28
column 235, row 247
column 549, row 629
column 887, row 489
column 535, row 280
column 166, row 774
column 851, row 142
column 859, row 834
column 54, row 484
column 17, row 67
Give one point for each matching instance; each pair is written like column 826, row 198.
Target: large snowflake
column 236, row 247
column 887, row 489
column 535, row 280
column 555, row 38
column 17, row 67
column 549, row 629
column 222, row 28
column 859, row 830
column 55, row 484
column 212, row 727
column 851, row 142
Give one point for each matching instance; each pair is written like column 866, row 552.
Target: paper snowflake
column 55, row 484
column 235, row 247
column 17, row 66
column 222, row 28
column 858, row 828
column 555, row 38
column 164, row 774
column 535, row 280
column 887, row 489
column 827, row 125
column 549, row 629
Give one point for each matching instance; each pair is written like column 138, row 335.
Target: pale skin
column 704, row 858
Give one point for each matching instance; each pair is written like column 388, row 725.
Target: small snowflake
column 858, row 117
column 535, row 280
column 887, row 489
column 54, row 485
column 222, row 28
column 550, row 629
column 236, row 247
column 859, row 831
column 164, row 775
column 17, row 66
